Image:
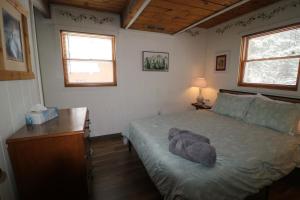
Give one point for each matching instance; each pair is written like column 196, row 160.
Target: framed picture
column 155, row 61
column 221, row 63
column 15, row 59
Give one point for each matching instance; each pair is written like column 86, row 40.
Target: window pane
column 83, row 46
column 90, row 71
column 286, row 43
column 281, row 72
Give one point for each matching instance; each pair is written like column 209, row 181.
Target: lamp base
column 200, row 100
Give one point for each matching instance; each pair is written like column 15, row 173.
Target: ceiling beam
column 214, row 15
column 43, row 6
column 133, row 11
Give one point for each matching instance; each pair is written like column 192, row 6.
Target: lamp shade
column 199, row 82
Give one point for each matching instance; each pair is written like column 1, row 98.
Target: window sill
column 90, row 84
column 270, row 86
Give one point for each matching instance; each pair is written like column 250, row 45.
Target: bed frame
column 279, row 98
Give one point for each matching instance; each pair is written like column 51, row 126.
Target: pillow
column 297, row 129
column 272, row 114
column 232, row 105
column 269, row 99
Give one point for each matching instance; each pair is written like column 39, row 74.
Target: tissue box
column 41, row 117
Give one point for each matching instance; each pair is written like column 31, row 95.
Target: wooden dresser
column 51, row 160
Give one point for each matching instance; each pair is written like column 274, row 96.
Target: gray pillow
column 297, row 128
column 272, row 114
column 233, row 105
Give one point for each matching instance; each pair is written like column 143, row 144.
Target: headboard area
column 279, row 98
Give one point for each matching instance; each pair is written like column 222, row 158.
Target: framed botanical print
column 15, row 59
column 155, row 61
column 221, row 63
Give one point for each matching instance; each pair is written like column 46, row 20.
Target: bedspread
column 249, row 157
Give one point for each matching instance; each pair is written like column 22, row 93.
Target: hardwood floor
column 287, row 188
column 119, row 175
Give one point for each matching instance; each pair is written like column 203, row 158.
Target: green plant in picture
column 147, row 63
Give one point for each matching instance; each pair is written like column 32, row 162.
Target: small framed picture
column 155, row 61
column 221, row 62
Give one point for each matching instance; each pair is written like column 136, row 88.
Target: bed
column 249, row 157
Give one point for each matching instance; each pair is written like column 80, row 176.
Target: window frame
column 65, row 59
column 244, row 60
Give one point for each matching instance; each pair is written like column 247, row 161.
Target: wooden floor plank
column 119, row 174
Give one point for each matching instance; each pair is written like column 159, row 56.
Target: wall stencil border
column 194, row 31
column 266, row 15
column 85, row 17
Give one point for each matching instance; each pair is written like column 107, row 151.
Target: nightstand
column 200, row 106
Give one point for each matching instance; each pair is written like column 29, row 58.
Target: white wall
column 230, row 41
column 16, row 98
column 138, row 94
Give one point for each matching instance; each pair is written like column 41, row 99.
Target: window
column 88, row 59
column 271, row 59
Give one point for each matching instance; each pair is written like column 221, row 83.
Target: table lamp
column 200, row 83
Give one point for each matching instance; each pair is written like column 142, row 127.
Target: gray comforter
column 249, row 157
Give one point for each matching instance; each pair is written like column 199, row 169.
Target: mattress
column 249, row 157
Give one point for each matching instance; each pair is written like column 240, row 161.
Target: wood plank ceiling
column 171, row 16
column 235, row 12
column 115, row 6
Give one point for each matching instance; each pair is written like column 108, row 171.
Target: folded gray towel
column 192, row 147
column 188, row 135
column 199, row 152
